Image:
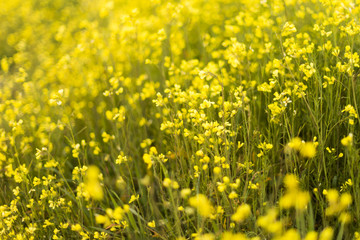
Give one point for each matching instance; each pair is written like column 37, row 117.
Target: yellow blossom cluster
column 179, row 119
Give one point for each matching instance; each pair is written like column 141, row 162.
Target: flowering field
column 179, row 119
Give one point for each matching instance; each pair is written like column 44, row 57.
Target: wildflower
column 242, row 212
column 151, row 224
column 101, row 219
column 161, row 35
column 92, row 184
column 134, row 198
column 185, row 192
column 345, row 218
column 147, row 160
column 208, row 236
column 295, row 143
column 121, row 158
column 288, row 29
column 292, row 234
column 347, row 141
column 332, row 196
column 64, row 225
column 294, row 197
column 312, row 235
column 174, row 184
column 233, row 195
column 75, row 151
column 226, row 180
column 233, row 236
column 308, row 150
column 217, row 170
column 36, row 181
column 202, row 74
column 326, row 234
column 47, row 223
column 31, row 228
column 345, row 200
column 269, row 222
column 4, row 64
column 167, row 182
column 119, row 212
column 291, row 181
column 302, row 200
column 202, row 204
column 77, row 228
column 337, row 204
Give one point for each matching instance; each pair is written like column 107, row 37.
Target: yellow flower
column 345, row 218
column 302, row 200
column 311, row 236
column 291, row 181
column 269, row 222
column 185, row 192
column 332, row 196
column 167, row 182
column 326, row 234
column 347, row 141
column 233, row 195
column 242, row 212
column 134, row 198
column 119, row 212
column 64, row 225
column 294, row 197
column 101, row 219
column 147, row 160
column 202, row 204
column 4, row 64
column 92, row 183
column 76, row 228
column 345, row 200
column 233, row 236
column 153, row 150
column 295, row 143
column 286, row 201
column 292, row 234
column 288, row 29
column 308, row 150
column 226, row 180
column 151, row 224
column 174, row 184
column 208, row 236
column 357, row 236
column 217, row 170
